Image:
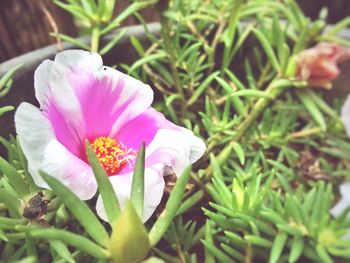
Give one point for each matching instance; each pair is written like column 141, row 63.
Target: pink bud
column 319, row 65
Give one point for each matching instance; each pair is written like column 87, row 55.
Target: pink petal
column 74, row 173
column 166, row 143
column 109, row 99
column 69, row 134
column 154, row 188
column 135, row 98
column 321, row 61
column 143, row 128
column 59, row 103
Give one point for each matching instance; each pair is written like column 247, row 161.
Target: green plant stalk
column 68, row 238
column 232, row 27
column 138, row 182
column 95, row 39
column 258, row 108
column 165, row 31
column 171, row 207
column 211, row 56
column 273, row 92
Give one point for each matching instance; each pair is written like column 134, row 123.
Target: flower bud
column 129, row 240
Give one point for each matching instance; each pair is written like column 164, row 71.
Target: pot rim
column 33, row 58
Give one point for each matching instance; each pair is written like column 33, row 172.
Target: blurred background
column 25, row 24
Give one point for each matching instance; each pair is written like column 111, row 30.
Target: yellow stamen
column 112, row 155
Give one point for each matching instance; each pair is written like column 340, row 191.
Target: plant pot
column 23, row 82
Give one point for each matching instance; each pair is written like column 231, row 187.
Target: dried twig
column 53, row 25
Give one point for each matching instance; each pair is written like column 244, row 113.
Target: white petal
column 74, row 57
column 34, row 132
column 69, row 170
column 340, row 207
column 154, row 188
column 175, row 148
column 197, row 146
column 41, row 82
column 344, row 189
column 345, row 115
column 52, row 87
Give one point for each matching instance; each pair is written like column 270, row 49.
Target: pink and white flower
column 82, row 99
column 319, row 65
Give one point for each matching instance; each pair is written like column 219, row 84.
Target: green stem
column 165, row 31
column 258, row 108
column 230, row 33
column 273, row 91
column 167, row 216
column 15, row 236
column 95, row 39
column 248, row 254
column 12, row 221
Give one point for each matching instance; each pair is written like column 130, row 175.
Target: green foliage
column 78, row 228
column 271, row 140
column 5, row 86
column 172, row 205
column 276, row 149
column 249, row 218
column 138, row 182
column 96, row 17
column 79, row 209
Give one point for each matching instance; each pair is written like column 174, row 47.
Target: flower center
column 112, row 155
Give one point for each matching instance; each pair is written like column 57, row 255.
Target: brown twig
column 194, row 30
column 53, row 25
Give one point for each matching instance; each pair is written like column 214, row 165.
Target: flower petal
column 59, row 104
column 83, row 99
column 344, row 202
column 109, row 99
column 197, row 146
column 135, row 98
column 34, row 132
column 74, row 57
column 340, row 207
column 69, row 170
column 154, row 188
column 176, row 149
column 345, row 115
column 143, row 128
column 345, row 191
column 320, row 63
column 174, row 146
